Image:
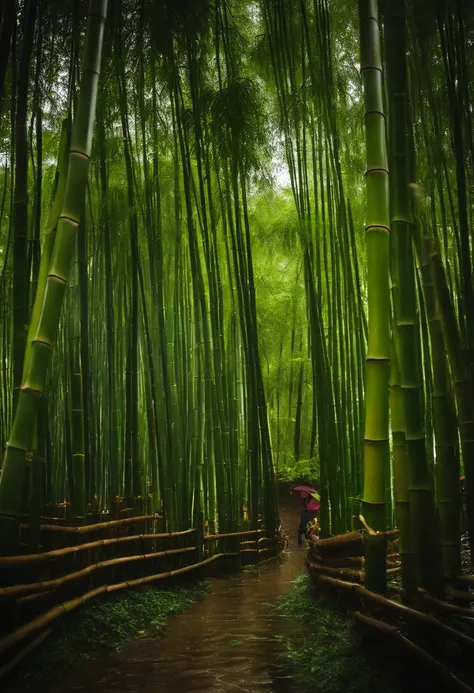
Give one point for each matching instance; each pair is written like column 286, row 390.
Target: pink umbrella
column 304, row 490
column 313, row 505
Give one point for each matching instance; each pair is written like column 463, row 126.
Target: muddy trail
column 230, row 641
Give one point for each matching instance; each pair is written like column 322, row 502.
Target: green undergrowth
column 298, row 471
column 321, row 653
column 106, row 626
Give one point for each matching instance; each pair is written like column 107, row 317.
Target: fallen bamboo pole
column 26, row 559
column 415, row 650
column 33, row 587
column 48, row 617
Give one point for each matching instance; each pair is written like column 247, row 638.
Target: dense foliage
column 221, row 303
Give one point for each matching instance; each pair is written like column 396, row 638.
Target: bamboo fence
column 37, row 590
column 429, row 631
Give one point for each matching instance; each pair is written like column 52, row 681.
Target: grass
column 106, row 626
column 321, row 653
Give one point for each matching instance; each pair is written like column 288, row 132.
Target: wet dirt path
column 229, row 642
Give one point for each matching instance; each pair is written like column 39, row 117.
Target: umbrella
column 304, row 490
column 313, row 504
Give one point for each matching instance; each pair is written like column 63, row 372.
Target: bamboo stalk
column 428, row 557
column 32, row 387
column 20, row 264
column 376, row 435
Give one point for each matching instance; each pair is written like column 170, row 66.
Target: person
column 314, row 527
column 307, row 517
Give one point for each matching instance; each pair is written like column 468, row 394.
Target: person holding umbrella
column 311, row 504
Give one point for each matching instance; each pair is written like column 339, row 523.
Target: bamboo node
column 51, row 275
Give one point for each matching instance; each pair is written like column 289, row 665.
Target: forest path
column 230, row 641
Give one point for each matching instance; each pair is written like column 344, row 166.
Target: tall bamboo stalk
column 376, row 439
column 420, row 488
column 14, row 465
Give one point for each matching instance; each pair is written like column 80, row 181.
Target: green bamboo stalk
column 78, row 491
column 376, row 439
column 20, row 289
column 420, row 490
column 444, row 413
column 7, row 29
column 14, row 466
column 50, row 236
column 133, row 458
column 112, row 427
column 38, row 114
column 455, row 98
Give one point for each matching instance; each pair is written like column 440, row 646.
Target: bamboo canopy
column 236, row 248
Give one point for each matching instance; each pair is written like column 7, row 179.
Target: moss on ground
column 321, row 653
column 105, row 626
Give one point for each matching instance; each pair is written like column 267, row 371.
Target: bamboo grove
column 239, row 299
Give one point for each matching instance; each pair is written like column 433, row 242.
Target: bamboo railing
column 39, row 589
column 336, row 565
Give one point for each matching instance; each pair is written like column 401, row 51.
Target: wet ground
column 231, row 641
